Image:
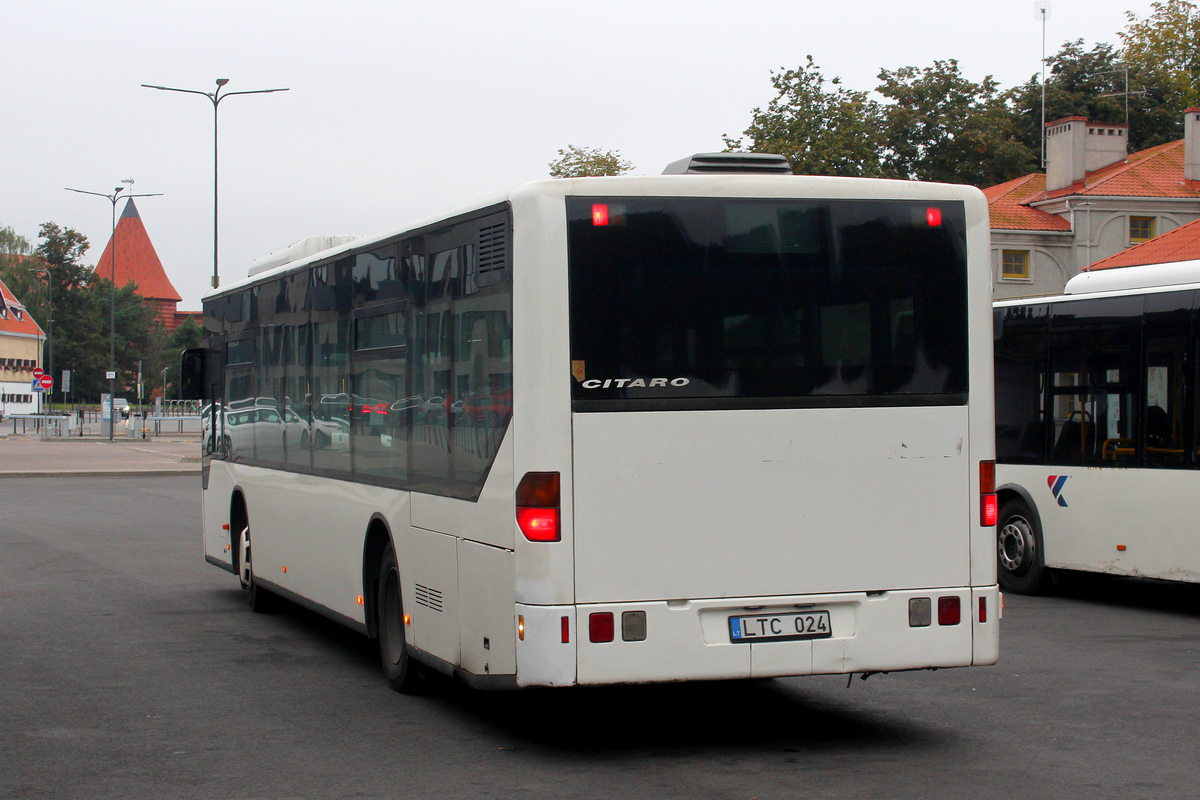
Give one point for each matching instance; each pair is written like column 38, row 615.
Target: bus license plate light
column 780, row 627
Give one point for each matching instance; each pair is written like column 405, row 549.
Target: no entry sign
column 46, row 381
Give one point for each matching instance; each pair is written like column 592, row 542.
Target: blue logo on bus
column 1055, row 482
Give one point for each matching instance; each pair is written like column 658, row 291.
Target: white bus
column 1097, row 425
column 627, row 429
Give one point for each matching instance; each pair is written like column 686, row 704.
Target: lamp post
column 112, row 299
column 49, row 334
column 215, row 97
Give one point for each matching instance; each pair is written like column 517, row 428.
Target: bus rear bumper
column 692, row 639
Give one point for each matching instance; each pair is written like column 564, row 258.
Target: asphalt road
column 130, row 668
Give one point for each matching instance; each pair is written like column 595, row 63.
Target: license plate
column 780, row 627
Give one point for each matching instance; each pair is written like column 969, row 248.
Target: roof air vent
column 730, row 164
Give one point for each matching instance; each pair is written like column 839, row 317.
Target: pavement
column 29, row 456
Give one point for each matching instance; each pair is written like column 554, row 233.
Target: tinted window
column 1020, row 333
column 705, row 303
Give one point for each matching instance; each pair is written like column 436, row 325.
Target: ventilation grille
column 493, row 247
column 430, row 598
column 730, row 164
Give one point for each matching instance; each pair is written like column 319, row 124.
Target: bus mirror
column 191, row 374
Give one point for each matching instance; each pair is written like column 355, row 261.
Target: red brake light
column 948, row 611
column 934, row 217
column 599, row 214
column 538, row 524
column 537, row 506
column 601, row 627
column 989, row 510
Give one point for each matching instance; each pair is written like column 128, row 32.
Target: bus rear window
column 698, row 303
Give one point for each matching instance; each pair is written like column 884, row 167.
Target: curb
column 171, row 472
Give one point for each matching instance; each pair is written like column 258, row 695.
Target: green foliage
column 12, row 243
column 943, row 127
column 1163, row 54
column 580, row 162
column 821, row 131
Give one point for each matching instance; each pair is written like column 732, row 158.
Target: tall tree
column 1163, row 53
column 580, row 162
column 13, row 243
column 940, row 126
column 821, row 127
column 1091, row 83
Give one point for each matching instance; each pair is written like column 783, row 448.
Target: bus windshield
column 707, row 303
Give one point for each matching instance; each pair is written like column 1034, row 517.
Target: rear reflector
column 566, row 630
column 537, row 506
column 920, row 612
column 601, row 627
column 949, row 611
column 983, row 609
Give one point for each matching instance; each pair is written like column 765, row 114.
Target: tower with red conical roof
column 137, row 261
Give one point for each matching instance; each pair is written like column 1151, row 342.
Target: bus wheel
column 258, row 598
column 398, row 668
column 1019, row 547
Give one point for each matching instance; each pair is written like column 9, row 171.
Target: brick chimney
column 1191, row 147
column 1075, row 147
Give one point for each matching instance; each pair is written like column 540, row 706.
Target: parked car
column 488, row 409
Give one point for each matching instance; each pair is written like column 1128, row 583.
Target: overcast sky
column 397, row 109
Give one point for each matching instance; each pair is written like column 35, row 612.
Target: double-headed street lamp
column 216, row 97
column 112, row 300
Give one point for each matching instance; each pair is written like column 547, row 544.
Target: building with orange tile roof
column 1094, row 202
column 1181, row 244
column 21, row 341
column 129, row 256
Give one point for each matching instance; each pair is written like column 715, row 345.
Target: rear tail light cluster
column 920, row 611
column 989, row 509
column 538, row 503
column 602, row 626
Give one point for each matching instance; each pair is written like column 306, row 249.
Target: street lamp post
column 50, row 332
column 216, row 97
column 112, row 299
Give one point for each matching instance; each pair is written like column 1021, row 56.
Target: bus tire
column 398, row 668
column 1021, row 565
column 258, row 598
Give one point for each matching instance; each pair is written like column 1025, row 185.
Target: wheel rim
column 1016, row 545
column 245, row 569
column 392, row 616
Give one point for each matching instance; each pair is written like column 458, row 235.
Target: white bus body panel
column 1156, row 528
column 688, row 505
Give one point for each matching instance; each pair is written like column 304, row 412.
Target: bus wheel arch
column 258, row 598
column 1021, row 559
column 378, row 539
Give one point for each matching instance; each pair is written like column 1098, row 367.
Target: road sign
column 110, row 375
column 38, row 372
column 46, row 381
column 66, row 380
